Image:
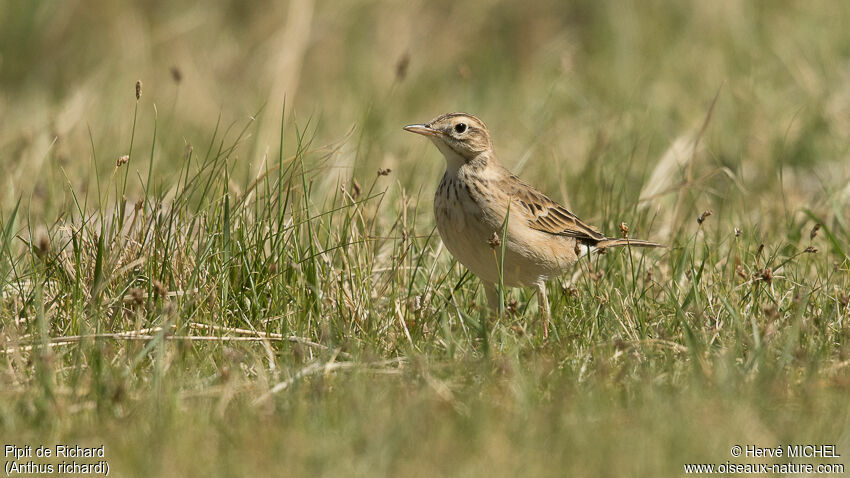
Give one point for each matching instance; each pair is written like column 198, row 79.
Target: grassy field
column 235, row 270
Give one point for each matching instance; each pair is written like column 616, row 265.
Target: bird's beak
column 422, row 129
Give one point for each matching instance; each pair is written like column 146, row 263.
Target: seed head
column 810, row 250
column 138, row 90
column 401, row 66
column 766, row 275
column 176, row 74
column 597, row 276
column 122, row 160
column 815, row 230
column 512, row 306
column 159, row 288
column 137, row 295
column 702, row 217
column 570, row 290
column 384, row 172
column 738, row 232
column 624, row 229
column 355, row 188
column 43, row 245
column 494, row 241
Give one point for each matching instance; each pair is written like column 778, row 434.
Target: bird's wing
column 548, row 216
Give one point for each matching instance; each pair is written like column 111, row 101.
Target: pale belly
column 467, row 230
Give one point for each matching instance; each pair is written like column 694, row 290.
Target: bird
column 479, row 202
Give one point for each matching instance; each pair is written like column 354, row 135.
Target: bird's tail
column 610, row 242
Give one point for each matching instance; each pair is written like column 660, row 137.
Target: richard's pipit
column 475, row 198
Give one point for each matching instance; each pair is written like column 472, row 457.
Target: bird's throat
column 453, row 159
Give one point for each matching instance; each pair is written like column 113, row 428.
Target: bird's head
column 459, row 136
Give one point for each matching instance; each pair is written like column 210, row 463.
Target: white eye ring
column 460, row 128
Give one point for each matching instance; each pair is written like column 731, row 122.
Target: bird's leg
column 543, row 305
column 492, row 298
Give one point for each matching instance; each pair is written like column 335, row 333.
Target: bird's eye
column 460, row 128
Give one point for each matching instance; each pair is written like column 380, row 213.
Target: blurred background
column 575, row 93
column 648, row 112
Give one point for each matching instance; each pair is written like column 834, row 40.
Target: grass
column 256, row 289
